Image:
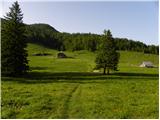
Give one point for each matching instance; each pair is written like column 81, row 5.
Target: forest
column 46, row 35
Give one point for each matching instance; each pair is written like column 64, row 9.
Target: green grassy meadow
column 68, row 88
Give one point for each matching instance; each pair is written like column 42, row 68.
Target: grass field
column 68, row 88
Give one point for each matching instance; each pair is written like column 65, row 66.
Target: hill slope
column 42, row 34
column 41, row 27
column 129, row 61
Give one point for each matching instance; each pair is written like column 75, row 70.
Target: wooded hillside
column 48, row 36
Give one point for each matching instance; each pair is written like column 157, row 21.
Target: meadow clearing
column 68, row 88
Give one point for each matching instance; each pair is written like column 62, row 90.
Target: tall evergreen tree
column 13, row 53
column 107, row 57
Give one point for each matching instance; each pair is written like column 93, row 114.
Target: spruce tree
column 107, row 57
column 13, row 44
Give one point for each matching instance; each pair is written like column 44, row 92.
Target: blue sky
column 133, row 20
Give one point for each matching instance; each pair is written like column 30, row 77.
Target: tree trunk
column 108, row 71
column 104, row 71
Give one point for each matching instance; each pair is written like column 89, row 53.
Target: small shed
column 61, row 55
column 147, row 64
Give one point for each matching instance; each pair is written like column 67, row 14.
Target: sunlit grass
column 68, row 88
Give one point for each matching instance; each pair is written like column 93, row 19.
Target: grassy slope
column 67, row 88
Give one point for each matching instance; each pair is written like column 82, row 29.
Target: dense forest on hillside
column 48, row 36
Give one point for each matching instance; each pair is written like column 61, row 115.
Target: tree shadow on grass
column 80, row 77
column 38, row 68
column 136, row 74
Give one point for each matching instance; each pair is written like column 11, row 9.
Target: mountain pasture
column 68, row 87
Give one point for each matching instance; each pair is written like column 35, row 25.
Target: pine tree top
column 15, row 13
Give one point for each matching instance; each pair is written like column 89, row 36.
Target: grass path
column 67, row 88
column 68, row 102
column 100, row 98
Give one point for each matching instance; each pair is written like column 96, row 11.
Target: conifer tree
column 107, row 57
column 13, row 44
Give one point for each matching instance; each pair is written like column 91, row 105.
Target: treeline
column 79, row 41
column 88, row 41
column 48, row 36
column 130, row 45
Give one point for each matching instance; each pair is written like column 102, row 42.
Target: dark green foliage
column 13, row 53
column 107, row 57
column 48, row 36
column 130, row 45
column 80, row 41
column 43, row 34
column 152, row 49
